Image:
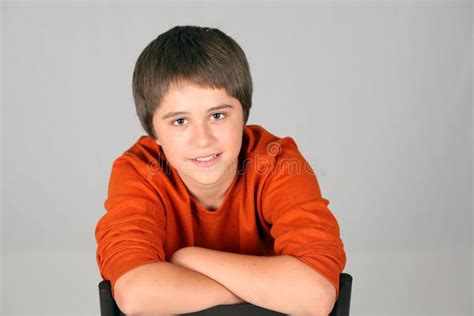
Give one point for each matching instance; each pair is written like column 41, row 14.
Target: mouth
column 207, row 161
column 206, row 158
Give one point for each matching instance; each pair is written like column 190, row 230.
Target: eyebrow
column 219, row 107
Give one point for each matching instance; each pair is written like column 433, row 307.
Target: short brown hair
column 202, row 55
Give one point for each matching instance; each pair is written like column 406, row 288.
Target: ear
column 157, row 140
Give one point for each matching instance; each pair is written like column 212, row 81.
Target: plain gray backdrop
column 377, row 95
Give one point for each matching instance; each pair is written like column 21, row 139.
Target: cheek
column 233, row 139
column 173, row 146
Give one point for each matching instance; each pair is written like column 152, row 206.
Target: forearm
column 165, row 288
column 280, row 283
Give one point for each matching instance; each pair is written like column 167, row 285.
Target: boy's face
column 200, row 130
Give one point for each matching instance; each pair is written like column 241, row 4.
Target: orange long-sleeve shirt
column 273, row 207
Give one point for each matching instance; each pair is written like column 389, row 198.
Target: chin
column 207, row 177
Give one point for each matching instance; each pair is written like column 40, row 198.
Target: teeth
column 206, row 158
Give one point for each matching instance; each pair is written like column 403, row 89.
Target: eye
column 219, row 115
column 179, row 122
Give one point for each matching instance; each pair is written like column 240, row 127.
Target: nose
column 202, row 135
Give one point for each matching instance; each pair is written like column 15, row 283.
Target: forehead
column 186, row 94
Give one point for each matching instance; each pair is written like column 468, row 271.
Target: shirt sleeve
column 301, row 223
column 132, row 231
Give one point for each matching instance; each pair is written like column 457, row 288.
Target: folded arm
column 163, row 288
column 281, row 283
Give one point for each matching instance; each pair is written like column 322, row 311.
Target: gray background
column 378, row 97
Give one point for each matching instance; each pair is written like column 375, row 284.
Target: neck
column 211, row 195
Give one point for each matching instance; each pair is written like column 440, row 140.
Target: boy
column 206, row 210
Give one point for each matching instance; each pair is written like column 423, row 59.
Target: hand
column 179, row 257
column 174, row 257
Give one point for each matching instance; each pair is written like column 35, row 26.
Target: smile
column 207, row 161
column 206, row 158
